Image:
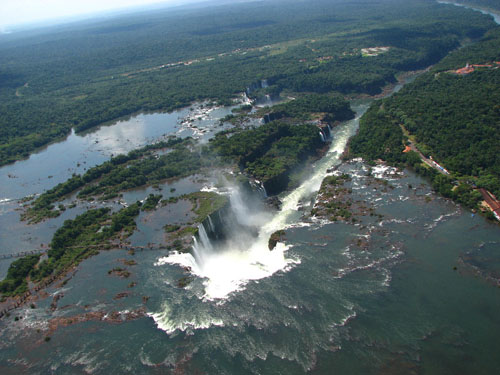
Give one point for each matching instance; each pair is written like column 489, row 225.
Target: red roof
column 466, row 70
column 491, row 200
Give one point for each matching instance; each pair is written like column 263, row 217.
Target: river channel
column 410, row 289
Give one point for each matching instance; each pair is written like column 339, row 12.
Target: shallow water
column 413, row 291
column 392, row 305
column 495, row 15
column 58, row 161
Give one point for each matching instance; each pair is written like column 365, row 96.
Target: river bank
column 405, row 288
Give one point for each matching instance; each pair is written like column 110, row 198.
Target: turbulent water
column 244, row 257
column 411, row 288
column 377, row 296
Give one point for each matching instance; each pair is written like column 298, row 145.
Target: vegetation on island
column 15, row 282
column 151, row 202
column 99, row 229
column 453, row 117
column 268, row 153
column 333, row 202
column 327, row 107
column 204, row 204
column 80, row 76
column 336, row 202
column 76, row 240
column 120, row 173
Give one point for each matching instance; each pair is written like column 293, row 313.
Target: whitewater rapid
column 228, row 268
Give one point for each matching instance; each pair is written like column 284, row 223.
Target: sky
column 17, row 12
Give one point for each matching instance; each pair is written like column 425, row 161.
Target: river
column 410, row 289
column 378, row 296
column 495, row 15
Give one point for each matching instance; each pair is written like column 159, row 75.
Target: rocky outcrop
column 278, row 236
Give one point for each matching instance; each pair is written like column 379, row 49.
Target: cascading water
column 268, row 101
column 329, row 131
column 211, row 224
column 203, row 247
column 228, row 265
column 262, row 191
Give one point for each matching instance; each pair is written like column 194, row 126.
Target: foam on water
column 385, row 172
column 165, row 322
column 226, row 269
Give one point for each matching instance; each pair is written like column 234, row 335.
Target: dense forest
column 327, row 107
column 82, row 75
column 453, row 117
column 269, row 152
column 314, row 51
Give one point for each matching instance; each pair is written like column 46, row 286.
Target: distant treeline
column 82, row 75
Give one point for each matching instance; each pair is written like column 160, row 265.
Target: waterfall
column 328, row 131
column 205, row 241
column 226, row 266
column 241, row 210
column 264, row 83
column 322, row 136
column 258, row 186
column 203, row 247
column 268, row 100
column 221, row 219
column 246, row 99
column 211, row 224
column 262, row 190
column 197, row 251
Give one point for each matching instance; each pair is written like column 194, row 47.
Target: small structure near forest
column 470, row 68
column 373, row 51
column 492, row 202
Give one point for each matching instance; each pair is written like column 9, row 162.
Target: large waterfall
column 227, row 265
